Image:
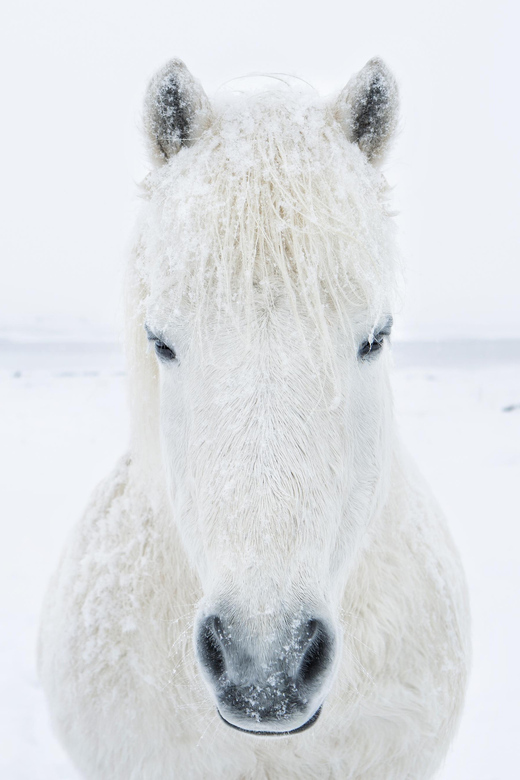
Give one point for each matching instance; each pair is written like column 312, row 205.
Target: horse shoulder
column 406, row 620
column 98, row 608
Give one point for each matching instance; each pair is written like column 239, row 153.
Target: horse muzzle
column 269, row 683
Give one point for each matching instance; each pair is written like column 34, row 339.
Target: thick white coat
column 264, row 469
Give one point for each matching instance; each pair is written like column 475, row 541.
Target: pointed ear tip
column 175, row 64
column 377, row 62
column 379, row 66
column 164, row 74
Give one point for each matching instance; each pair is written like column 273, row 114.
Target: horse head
column 263, row 285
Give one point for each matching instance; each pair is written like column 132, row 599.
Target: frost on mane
column 273, row 196
column 264, row 587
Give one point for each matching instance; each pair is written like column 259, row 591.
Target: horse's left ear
column 176, row 110
column 368, row 107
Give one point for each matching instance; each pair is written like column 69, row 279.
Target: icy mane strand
column 272, row 198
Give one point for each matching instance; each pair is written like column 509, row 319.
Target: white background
column 73, row 75
column 72, row 79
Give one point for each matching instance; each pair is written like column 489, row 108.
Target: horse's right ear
column 176, row 111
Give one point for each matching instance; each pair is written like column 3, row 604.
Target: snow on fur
column 265, row 483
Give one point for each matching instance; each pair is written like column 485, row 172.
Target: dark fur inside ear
column 368, row 109
column 176, row 110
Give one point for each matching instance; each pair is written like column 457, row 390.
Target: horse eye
column 163, row 351
column 368, row 348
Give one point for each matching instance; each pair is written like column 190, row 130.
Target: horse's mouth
column 305, row 726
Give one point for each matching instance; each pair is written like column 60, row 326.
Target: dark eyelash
column 370, row 348
column 162, row 350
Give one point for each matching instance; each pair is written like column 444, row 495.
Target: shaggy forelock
column 273, row 197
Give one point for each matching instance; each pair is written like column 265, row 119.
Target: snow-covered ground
column 63, row 422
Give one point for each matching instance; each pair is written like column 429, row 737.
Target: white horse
column 264, row 587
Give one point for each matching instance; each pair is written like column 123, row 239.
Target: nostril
column 317, row 655
column 210, row 647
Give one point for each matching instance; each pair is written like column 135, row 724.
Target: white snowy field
column 63, row 422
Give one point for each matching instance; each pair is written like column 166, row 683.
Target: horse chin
column 267, row 733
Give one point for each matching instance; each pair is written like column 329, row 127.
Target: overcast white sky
column 73, row 75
